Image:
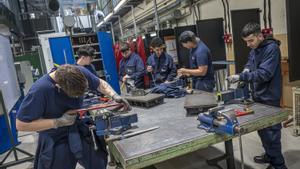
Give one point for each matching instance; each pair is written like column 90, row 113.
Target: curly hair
column 71, row 80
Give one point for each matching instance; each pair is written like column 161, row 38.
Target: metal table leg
column 228, row 156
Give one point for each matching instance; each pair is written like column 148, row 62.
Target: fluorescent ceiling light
column 108, row 16
column 122, row 2
column 100, row 23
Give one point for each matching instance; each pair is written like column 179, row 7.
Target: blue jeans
column 270, row 138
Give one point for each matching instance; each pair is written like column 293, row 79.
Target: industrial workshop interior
column 149, row 84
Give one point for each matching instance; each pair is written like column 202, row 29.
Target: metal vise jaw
column 114, row 124
column 220, row 121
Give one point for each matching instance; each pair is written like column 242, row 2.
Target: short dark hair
column 71, row 80
column 124, row 46
column 156, row 42
column 85, row 51
column 187, row 36
column 251, row 28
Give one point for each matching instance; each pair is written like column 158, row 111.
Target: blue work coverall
column 265, row 82
column 201, row 56
column 63, row 147
column 133, row 66
column 163, row 68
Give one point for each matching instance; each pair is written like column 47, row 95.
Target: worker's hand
column 233, row 78
column 120, row 99
column 246, row 70
column 67, row 119
column 124, row 79
column 182, row 72
column 149, row 69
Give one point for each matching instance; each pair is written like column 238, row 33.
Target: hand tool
column 114, row 138
column 92, row 128
column 245, row 111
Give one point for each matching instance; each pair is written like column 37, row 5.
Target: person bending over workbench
column 131, row 68
column 85, row 58
column 160, row 65
column 200, row 58
column 263, row 72
column 49, row 108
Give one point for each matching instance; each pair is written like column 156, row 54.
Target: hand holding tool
column 65, row 120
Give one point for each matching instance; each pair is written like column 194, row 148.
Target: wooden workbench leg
column 229, row 154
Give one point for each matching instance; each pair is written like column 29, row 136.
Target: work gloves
column 119, row 99
column 233, row 78
column 67, row 119
column 246, row 70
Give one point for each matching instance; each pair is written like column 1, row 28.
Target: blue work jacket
column 201, row 56
column 163, row 68
column 45, row 101
column 133, row 66
column 265, row 72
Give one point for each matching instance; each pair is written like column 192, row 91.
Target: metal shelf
column 88, row 44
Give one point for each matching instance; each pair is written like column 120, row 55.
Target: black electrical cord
column 265, row 13
column 225, row 16
column 270, row 16
column 228, row 15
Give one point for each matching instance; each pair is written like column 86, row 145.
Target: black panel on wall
column 211, row 32
column 183, row 53
column 239, row 19
column 166, row 32
column 293, row 31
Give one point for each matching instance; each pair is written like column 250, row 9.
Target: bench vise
column 220, row 121
column 106, row 118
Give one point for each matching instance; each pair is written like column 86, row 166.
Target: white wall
column 214, row 9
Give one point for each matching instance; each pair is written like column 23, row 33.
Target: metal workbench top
column 178, row 134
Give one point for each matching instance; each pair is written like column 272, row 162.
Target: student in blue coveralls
column 131, row 68
column 263, row 72
column 85, row 58
column 201, row 69
column 160, row 65
column 49, row 108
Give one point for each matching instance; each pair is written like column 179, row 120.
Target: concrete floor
column 196, row 160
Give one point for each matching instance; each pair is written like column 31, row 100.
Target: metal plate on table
column 146, row 101
column 199, row 102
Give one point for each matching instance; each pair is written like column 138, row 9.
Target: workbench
column 178, row 134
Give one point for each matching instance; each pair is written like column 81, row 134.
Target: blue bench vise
column 106, row 118
column 220, row 121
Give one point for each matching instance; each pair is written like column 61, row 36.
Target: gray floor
column 196, row 160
